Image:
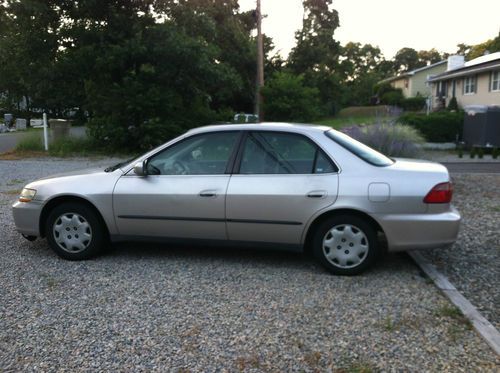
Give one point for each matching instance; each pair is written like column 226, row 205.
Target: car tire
column 74, row 231
column 345, row 244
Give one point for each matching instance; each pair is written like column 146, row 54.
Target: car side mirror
column 140, row 169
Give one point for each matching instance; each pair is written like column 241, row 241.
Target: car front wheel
column 74, row 232
column 346, row 245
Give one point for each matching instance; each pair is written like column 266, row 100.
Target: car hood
column 83, row 183
column 84, row 172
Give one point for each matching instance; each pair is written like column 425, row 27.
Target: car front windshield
column 359, row 149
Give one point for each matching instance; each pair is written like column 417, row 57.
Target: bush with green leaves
column 413, row 103
column 441, row 126
column 287, row 98
column 453, row 104
column 394, row 98
column 394, row 140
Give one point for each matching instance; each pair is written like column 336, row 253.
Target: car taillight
column 441, row 193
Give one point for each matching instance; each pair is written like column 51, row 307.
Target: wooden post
column 260, row 66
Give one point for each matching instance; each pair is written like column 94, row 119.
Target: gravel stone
column 155, row 308
column 472, row 264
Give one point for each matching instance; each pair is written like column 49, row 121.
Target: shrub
column 391, row 139
column 453, row 104
column 382, row 88
column 287, row 98
column 413, row 103
column 436, row 127
column 392, row 98
column 494, row 153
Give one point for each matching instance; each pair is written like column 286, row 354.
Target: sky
column 390, row 24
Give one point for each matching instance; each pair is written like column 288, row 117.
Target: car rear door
column 281, row 180
column 183, row 195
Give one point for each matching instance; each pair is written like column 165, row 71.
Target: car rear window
column 359, row 149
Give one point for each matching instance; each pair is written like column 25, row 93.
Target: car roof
column 276, row 126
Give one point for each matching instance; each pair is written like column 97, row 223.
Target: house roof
column 413, row 72
column 477, row 65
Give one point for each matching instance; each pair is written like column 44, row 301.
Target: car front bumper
column 420, row 231
column 27, row 217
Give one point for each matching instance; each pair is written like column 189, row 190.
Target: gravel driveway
column 473, row 263
column 144, row 307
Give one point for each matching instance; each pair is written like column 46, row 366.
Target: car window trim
column 239, row 156
column 234, row 153
column 231, row 158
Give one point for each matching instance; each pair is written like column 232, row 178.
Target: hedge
column 413, row 103
column 436, row 127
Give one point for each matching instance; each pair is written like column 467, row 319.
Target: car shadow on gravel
column 237, row 256
column 249, row 255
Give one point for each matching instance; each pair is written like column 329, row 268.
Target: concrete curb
column 482, row 326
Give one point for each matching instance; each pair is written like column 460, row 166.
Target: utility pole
column 260, row 66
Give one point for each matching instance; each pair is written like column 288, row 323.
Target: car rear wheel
column 74, row 231
column 346, row 245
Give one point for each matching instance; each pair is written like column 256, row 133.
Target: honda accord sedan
column 275, row 184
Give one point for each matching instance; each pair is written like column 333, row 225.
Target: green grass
column 389, row 324
column 454, row 313
column 12, row 192
column 358, row 367
column 363, row 111
column 14, row 182
column 449, row 311
column 31, row 143
column 339, row 123
column 70, row 146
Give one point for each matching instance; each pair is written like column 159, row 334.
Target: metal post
column 260, row 66
column 45, row 132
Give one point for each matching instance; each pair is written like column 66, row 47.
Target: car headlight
column 27, row 195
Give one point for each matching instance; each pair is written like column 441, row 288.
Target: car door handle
column 208, row 193
column 317, row 194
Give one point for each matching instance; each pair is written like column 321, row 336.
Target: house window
column 470, row 85
column 495, row 81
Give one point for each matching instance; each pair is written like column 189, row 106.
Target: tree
column 287, row 98
column 473, row 51
column 221, row 25
column 315, row 43
column 362, row 66
column 29, row 44
column 316, row 54
column 407, row 59
column 142, row 71
column 429, row 57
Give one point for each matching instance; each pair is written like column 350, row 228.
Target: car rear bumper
column 420, row 231
column 27, row 217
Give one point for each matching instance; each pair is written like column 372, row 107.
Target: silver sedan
column 297, row 186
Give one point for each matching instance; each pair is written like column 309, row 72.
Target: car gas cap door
column 379, row 192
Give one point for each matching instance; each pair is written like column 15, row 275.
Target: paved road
column 473, row 167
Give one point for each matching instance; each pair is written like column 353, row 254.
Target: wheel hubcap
column 72, row 232
column 345, row 246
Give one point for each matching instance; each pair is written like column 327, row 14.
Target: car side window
column 282, row 153
column 205, row 154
